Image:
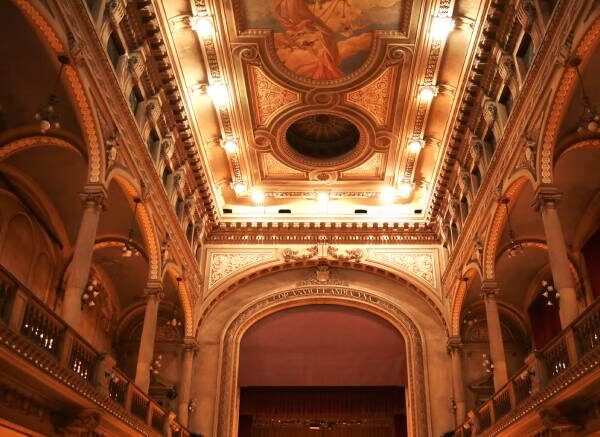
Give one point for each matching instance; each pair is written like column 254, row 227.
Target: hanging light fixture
column 47, row 115
column 487, row 364
column 515, row 248
column 156, row 365
column 589, row 118
column 129, row 248
column 90, row 295
column 174, row 321
column 549, row 293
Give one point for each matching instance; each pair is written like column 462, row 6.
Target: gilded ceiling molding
column 496, row 227
column 370, row 168
column 81, row 101
column 273, row 168
column 561, row 101
column 336, row 295
column 585, row 144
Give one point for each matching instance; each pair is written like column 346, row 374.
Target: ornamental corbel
column 111, row 151
column 136, row 62
column 115, row 11
column 490, row 112
column 167, row 147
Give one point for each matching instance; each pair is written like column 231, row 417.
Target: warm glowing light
column 387, row 195
column 441, row 27
column 230, row 145
column 219, row 94
column 322, row 197
column 415, row 145
column 405, row 189
column 257, row 196
column 427, row 92
column 240, row 188
column 203, row 26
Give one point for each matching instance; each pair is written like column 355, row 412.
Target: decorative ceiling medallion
column 270, row 96
column 323, row 140
column 374, row 97
column 322, row 136
column 273, row 168
column 372, row 168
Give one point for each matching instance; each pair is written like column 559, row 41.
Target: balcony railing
column 29, row 328
column 575, row 349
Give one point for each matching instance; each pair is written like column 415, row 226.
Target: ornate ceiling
column 322, row 110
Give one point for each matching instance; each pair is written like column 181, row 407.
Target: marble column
column 205, row 389
column 455, row 351
column 547, row 198
column 153, row 294
column 189, row 349
column 93, row 199
column 489, row 291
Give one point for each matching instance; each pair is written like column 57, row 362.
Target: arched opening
column 591, row 253
column 322, row 369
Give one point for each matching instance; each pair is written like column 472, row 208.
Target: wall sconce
column 192, row 405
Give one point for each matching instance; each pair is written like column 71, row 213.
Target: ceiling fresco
column 323, row 39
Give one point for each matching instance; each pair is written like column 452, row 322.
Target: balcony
column 568, row 365
column 35, row 344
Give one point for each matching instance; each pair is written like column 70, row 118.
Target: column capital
column 454, row 344
column 190, row 344
column 489, row 290
column 546, row 196
column 153, row 289
column 94, row 196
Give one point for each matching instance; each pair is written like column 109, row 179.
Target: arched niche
column 215, row 380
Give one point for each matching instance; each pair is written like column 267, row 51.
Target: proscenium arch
column 38, row 17
column 417, row 408
column 228, row 287
column 561, row 101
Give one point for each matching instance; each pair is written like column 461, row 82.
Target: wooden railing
column 25, row 318
column 573, row 345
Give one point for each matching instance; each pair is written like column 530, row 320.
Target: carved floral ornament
column 420, row 266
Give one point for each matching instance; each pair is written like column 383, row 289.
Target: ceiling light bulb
column 230, row 145
column 240, row 188
column 322, row 197
column 441, row 27
column 203, row 26
column 427, row 92
column 219, row 94
column 415, row 145
column 258, row 196
column 405, row 189
column 387, row 195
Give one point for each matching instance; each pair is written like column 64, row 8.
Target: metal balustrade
column 578, row 343
column 26, row 320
